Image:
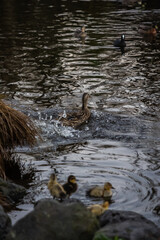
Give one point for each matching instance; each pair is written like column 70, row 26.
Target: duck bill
column 73, row 181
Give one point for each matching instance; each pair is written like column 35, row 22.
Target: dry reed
column 4, row 202
column 16, row 129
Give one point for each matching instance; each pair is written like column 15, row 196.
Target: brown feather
column 75, row 119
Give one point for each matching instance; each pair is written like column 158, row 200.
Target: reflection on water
column 44, row 67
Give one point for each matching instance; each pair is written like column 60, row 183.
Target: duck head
column 154, row 25
column 105, row 205
column 71, row 179
column 122, row 37
column 108, row 186
column 53, row 177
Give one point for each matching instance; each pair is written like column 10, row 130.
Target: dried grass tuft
column 5, row 203
column 16, row 129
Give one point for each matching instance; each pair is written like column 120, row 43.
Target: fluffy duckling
column 75, row 119
column 101, row 191
column 55, row 188
column 71, row 185
column 120, row 42
column 80, row 33
column 98, row 209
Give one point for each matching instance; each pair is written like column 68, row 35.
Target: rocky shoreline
column 70, row 219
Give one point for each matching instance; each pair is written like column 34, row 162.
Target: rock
column 53, row 220
column 11, row 191
column 71, row 200
column 156, row 210
column 127, row 225
column 5, row 224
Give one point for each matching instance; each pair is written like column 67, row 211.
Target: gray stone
column 13, row 192
column 53, row 220
column 5, row 224
column 127, row 225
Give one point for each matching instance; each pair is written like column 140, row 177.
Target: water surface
column 44, row 69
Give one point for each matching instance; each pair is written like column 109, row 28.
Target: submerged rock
column 127, row 225
column 11, row 191
column 53, row 220
column 5, row 224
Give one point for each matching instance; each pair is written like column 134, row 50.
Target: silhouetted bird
column 71, row 185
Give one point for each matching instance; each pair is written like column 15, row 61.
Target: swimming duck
column 80, row 33
column 131, row 3
column 120, row 42
column 148, row 30
column 98, row 209
column 75, row 119
column 71, row 185
column 101, row 191
column 55, row 188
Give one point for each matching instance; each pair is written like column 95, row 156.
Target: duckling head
column 108, row 186
column 105, row 205
column 71, row 179
column 53, row 177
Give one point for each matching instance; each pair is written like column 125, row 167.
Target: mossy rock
column 11, row 191
column 5, row 224
column 53, row 220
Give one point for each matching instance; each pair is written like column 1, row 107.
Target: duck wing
column 75, row 119
column 96, row 191
column 70, row 188
column 75, row 115
column 58, row 191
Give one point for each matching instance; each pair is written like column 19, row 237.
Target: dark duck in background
column 80, row 33
column 148, row 30
column 120, row 43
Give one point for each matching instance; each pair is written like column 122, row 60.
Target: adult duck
column 80, row 33
column 75, row 119
column 148, row 30
column 120, row 42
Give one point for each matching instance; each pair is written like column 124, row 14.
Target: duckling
column 80, row 33
column 98, row 209
column 75, row 119
column 55, row 188
column 148, row 30
column 101, row 191
column 71, row 185
column 120, row 42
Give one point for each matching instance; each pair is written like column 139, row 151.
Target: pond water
column 44, row 69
